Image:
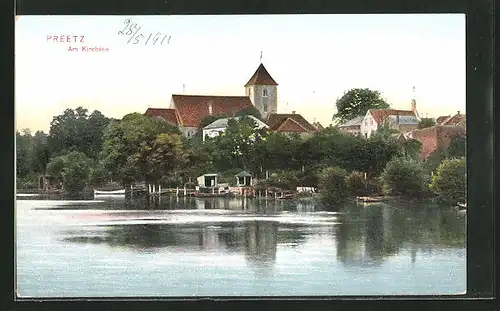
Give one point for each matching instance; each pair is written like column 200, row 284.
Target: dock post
column 177, row 191
column 159, row 189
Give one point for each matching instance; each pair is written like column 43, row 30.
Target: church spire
column 414, row 103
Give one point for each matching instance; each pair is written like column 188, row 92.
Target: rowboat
column 370, row 199
column 462, row 206
column 120, row 192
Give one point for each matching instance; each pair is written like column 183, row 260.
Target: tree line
column 85, row 149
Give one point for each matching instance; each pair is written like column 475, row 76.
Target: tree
column 73, row 169
column 250, row 111
column 99, row 175
column 40, row 153
column 164, row 156
column 235, row 144
column 385, row 132
column 332, row 185
column 450, row 180
column 210, row 119
column 356, row 102
column 199, row 158
column 403, row 176
column 128, row 143
column 378, row 152
column 426, row 122
column 356, row 184
column 411, row 148
column 24, row 146
column 431, row 163
column 457, row 147
column 75, row 130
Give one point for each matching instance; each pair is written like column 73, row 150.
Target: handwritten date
column 132, row 30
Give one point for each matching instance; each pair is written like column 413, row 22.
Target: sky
column 313, row 58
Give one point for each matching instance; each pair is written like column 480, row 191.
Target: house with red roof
column 290, row 123
column 261, row 91
column 451, row 120
column 402, row 120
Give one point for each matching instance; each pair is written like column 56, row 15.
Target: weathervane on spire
column 261, row 57
column 413, row 91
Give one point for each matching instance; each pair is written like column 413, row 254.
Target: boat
column 370, row 199
column 120, row 192
column 287, row 196
column 462, row 206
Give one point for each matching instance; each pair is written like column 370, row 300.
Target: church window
column 264, row 92
column 264, row 107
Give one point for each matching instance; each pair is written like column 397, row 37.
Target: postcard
column 240, row 155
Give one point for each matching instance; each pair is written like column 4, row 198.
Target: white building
column 219, row 126
column 404, row 120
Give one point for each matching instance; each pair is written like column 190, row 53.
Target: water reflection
column 366, row 236
column 248, row 246
column 369, row 236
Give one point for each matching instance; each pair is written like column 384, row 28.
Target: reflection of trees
column 140, row 237
column 378, row 232
column 261, row 242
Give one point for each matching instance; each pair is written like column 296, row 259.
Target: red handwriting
column 65, row 38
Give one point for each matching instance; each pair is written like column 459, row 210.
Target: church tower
column 263, row 92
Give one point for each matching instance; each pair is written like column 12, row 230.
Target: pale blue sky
column 314, row 59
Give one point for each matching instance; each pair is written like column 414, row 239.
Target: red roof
column 191, row 109
column 441, row 119
column 282, row 122
column 261, row 77
column 455, row 119
column 428, row 138
column 436, row 137
column 380, row 114
column 168, row 114
column 318, row 126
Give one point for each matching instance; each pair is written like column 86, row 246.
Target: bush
column 356, row 183
column 433, row 160
column 27, row 183
column 332, row 185
column 99, row 176
column 227, row 177
column 403, row 176
column 171, row 182
column 73, row 169
column 308, row 178
column 450, row 180
column 286, row 180
column 374, row 186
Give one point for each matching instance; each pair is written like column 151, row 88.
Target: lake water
column 227, row 247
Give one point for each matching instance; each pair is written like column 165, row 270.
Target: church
column 261, row 91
